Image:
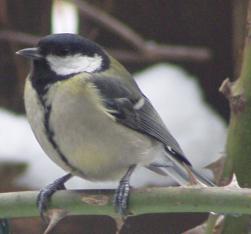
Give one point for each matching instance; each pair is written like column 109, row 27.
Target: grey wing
column 132, row 109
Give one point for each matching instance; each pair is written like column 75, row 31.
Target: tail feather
column 189, row 169
column 180, row 171
column 178, row 175
column 203, row 179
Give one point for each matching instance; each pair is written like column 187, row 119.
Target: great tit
column 91, row 118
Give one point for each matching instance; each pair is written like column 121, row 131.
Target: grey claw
column 46, row 193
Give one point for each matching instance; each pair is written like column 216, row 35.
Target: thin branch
column 157, row 200
column 110, row 23
column 20, row 37
column 159, row 53
column 163, row 52
column 148, row 51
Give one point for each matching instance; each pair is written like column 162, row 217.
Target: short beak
column 31, row 53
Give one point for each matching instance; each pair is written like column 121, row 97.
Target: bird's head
column 66, row 54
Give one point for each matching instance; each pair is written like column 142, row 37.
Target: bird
column 90, row 117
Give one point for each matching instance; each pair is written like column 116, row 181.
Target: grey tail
column 174, row 171
column 201, row 178
column 179, row 171
column 186, row 165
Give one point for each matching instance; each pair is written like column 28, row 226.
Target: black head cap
column 64, row 44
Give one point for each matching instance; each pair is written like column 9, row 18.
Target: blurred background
column 178, row 51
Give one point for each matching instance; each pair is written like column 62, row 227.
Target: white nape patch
column 140, row 103
column 74, row 63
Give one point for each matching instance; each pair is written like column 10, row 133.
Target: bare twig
column 3, row 13
column 149, row 51
column 171, row 53
column 162, row 52
column 145, row 51
column 110, row 23
column 14, row 36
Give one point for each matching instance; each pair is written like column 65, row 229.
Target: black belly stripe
column 41, row 79
column 50, row 135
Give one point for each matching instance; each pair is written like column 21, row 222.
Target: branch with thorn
column 229, row 199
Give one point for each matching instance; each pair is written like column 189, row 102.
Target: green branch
column 239, row 134
column 157, row 200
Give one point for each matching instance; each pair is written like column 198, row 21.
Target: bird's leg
column 122, row 192
column 46, row 193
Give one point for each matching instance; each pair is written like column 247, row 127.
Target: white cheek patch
column 74, row 63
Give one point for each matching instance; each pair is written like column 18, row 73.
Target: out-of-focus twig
column 145, row 51
column 110, row 23
column 148, row 51
column 155, row 53
column 162, row 52
column 20, row 37
column 3, row 13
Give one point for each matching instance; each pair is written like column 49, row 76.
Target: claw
column 120, row 221
column 46, row 193
column 55, row 216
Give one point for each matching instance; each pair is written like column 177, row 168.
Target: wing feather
column 121, row 102
column 132, row 109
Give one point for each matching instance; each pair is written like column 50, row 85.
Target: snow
column 177, row 98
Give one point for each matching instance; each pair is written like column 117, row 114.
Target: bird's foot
column 121, row 197
column 46, row 193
